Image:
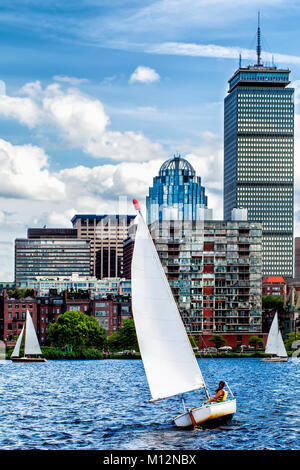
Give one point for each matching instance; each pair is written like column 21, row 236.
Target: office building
column 51, row 233
column 106, row 234
column 259, row 157
column 176, row 193
column 50, row 257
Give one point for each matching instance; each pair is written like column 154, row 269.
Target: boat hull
column 28, row 359
column 206, row 414
column 275, row 359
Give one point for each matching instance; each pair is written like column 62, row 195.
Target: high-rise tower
column 259, row 157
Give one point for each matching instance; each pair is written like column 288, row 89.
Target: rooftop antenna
column 258, row 47
column 240, row 61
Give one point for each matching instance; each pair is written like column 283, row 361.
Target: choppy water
column 104, row 404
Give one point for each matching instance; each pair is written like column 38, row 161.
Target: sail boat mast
column 168, row 357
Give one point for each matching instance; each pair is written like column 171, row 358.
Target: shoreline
column 92, row 354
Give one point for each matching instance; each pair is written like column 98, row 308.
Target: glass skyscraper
column 259, row 158
column 177, row 193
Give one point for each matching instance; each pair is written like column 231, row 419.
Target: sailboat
column 275, row 345
column 169, row 361
column 31, row 344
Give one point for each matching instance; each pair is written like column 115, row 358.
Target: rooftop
column 177, row 162
column 273, row 279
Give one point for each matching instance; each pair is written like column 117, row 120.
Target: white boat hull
column 206, row 413
column 275, row 359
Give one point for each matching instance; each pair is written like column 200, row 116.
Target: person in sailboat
column 220, row 395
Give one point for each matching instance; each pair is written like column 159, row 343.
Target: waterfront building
column 176, row 193
column 259, row 157
column 50, row 257
column 214, row 270
column 14, row 315
column 110, row 312
column 106, row 234
column 48, row 309
column 78, row 283
column 274, row 285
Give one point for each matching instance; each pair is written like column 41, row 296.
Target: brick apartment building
column 110, row 312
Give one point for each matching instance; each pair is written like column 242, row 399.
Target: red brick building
column 14, row 316
column 110, row 312
column 232, row 340
column 274, row 285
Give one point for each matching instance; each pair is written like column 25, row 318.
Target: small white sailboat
column 169, row 360
column 275, row 345
column 31, row 347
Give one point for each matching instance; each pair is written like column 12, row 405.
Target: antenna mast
column 258, row 48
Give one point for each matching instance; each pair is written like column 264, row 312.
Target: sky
column 96, row 94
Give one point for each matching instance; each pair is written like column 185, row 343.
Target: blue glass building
column 259, row 157
column 177, row 192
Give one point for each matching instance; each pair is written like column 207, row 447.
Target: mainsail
column 31, row 342
column 16, row 351
column 275, row 344
column 169, row 361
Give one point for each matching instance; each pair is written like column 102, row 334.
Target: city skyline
column 90, row 109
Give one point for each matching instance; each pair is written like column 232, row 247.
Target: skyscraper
column 177, row 192
column 259, row 157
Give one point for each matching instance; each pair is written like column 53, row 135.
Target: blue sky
column 95, row 94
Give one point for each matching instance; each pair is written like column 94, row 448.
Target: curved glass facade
column 176, row 193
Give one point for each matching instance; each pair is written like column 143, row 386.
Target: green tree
column 218, row 340
column 256, row 342
column 125, row 338
column 28, row 293
column 15, row 294
column 78, row 330
column 272, row 302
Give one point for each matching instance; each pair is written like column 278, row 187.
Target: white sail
column 169, row 361
column 31, row 342
column 275, row 344
column 16, row 351
column 281, row 351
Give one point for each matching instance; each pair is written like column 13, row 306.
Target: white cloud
column 72, row 80
column 212, row 50
column 25, row 174
column 80, row 120
column 22, row 109
column 144, row 75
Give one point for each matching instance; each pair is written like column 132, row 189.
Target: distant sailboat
column 275, row 345
column 169, row 361
column 31, row 347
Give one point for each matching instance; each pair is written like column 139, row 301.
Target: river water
column 104, row 404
